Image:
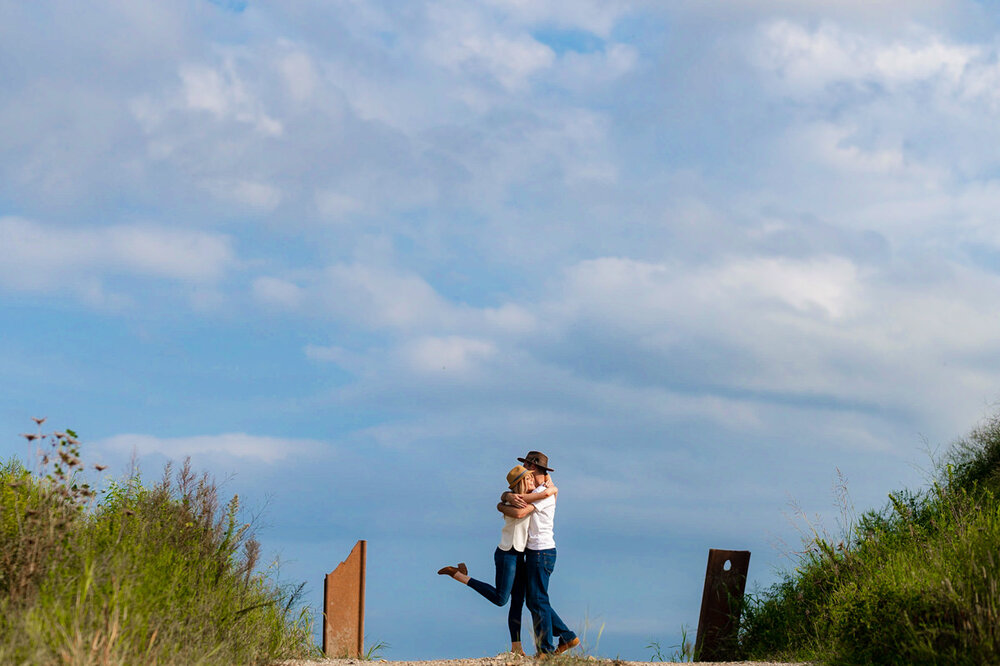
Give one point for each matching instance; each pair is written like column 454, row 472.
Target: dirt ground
column 509, row 660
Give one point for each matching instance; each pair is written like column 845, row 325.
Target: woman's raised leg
column 506, row 565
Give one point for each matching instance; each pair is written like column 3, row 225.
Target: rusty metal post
column 344, row 606
column 721, row 603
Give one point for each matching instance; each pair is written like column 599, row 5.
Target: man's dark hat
column 538, row 459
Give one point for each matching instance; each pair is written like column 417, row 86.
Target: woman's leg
column 517, row 606
column 506, row 565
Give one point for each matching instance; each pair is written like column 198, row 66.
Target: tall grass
column 138, row 573
column 913, row 583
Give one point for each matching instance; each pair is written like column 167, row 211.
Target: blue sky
column 356, row 257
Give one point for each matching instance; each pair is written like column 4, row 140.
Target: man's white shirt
column 542, row 523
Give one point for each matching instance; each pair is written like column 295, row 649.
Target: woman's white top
column 515, row 530
column 514, row 533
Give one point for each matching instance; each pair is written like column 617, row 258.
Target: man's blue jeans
column 539, row 565
column 509, row 585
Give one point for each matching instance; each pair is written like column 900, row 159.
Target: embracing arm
column 514, row 512
column 530, row 498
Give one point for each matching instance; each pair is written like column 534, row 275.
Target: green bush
column 141, row 574
column 916, row 582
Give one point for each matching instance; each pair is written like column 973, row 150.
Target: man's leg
column 539, row 566
column 530, row 592
column 562, row 633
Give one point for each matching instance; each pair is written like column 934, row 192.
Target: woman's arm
column 514, row 512
column 530, row 498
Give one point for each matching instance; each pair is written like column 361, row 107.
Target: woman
column 509, row 556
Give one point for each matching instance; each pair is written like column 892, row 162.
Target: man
column 540, row 557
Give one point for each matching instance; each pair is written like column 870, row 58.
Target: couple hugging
column 525, row 557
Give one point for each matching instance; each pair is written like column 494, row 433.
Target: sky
column 715, row 258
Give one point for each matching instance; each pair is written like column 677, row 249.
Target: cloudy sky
column 354, row 257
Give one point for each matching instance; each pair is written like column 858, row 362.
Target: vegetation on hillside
column 913, row 583
column 135, row 573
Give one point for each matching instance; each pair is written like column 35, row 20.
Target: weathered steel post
column 344, row 606
column 721, row 603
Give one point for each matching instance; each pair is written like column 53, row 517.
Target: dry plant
column 134, row 574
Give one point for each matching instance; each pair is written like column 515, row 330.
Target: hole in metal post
column 727, row 566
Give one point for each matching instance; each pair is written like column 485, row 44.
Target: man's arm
column 530, row 498
column 514, row 512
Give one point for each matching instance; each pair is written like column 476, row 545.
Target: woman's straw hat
column 515, row 474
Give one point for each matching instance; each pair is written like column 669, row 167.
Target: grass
column 138, row 573
column 913, row 583
column 681, row 652
column 586, row 647
column 375, row 650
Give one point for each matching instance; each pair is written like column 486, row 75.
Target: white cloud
column 884, row 131
column 591, row 15
column 205, row 89
column 465, row 40
column 233, row 445
column 300, row 75
column 38, row 257
column 336, row 205
column 400, row 302
column 747, row 343
column 436, row 104
column 277, row 293
column 253, row 195
column 807, row 61
column 510, row 318
column 750, row 307
column 194, row 256
column 834, row 146
column 453, row 354
column 221, row 92
column 383, row 297
column 819, row 327
column 828, row 285
column 582, row 71
column 776, row 326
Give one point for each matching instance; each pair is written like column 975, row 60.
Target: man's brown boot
column 567, row 646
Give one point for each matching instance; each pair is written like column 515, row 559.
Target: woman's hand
column 514, row 500
column 515, row 512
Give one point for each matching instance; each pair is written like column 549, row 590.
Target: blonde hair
column 521, row 487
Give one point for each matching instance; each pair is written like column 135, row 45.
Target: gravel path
column 509, row 660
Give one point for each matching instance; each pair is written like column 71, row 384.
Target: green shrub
column 915, row 584
column 143, row 574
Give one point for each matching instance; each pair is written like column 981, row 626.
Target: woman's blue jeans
column 509, row 585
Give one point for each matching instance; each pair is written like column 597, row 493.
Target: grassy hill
column 137, row 573
column 913, row 583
